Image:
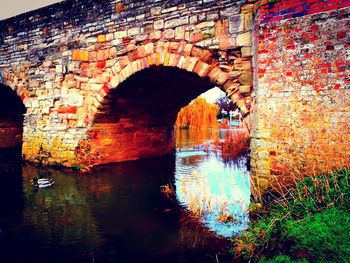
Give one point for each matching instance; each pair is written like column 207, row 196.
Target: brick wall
column 286, row 9
column 301, row 124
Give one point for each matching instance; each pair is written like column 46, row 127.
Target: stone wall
column 65, row 59
column 68, row 62
column 302, row 111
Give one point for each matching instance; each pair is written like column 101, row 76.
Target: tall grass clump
column 308, row 222
column 235, row 143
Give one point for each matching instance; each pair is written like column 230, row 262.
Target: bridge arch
column 12, row 112
column 182, row 55
column 112, row 130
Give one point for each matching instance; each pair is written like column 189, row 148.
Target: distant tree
column 225, row 104
column 199, row 114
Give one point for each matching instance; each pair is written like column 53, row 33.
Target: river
column 119, row 213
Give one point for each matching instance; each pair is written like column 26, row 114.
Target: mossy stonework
column 81, row 68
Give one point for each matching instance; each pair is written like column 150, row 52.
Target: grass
column 306, row 223
column 235, row 143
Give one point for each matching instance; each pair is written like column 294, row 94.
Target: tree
column 225, row 104
column 199, row 114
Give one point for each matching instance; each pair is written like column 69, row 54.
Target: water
column 215, row 190
column 118, row 214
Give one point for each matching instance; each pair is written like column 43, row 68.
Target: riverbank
column 308, row 223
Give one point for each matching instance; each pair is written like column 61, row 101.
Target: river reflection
column 215, row 190
column 118, row 213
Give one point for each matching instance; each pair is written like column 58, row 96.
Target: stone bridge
column 102, row 81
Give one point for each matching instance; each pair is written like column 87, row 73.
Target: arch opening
column 12, row 112
column 136, row 119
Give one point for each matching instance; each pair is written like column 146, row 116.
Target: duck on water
column 42, row 182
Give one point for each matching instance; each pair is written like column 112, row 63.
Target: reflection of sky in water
column 205, row 181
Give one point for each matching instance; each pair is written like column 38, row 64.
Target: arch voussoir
column 179, row 54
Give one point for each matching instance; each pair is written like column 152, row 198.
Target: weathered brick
column 244, row 39
column 159, row 24
column 169, row 34
column 155, row 34
column 80, row 55
column 195, row 36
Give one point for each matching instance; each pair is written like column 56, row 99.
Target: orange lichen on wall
column 314, row 142
column 301, row 113
column 38, row 150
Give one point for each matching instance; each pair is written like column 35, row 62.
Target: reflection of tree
column 189, row 138
column 60, row 217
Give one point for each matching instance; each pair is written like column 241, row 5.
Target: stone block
column 173, row 47
column 244, row 39
column 244, row 90
column 120, row 34
column 180, row 32
column 102, row 54
column 67, row 110
column 248, row 21
column 155, row 10
column 196, row 52
column 223, row 77
column 158, row 24
column 101, row 38
column 206, row 56
column 242, row 64
column 174, row 60
column 193, row 19
column 112, row 52
column 246, row 52
column 195, row 36
column 227, row 42
column 75, row 100
column 92, row 55
column 214, row 74
column 80, row 55
column 155, row 35
column 202, row 69
column 246, row 79
column 236, row 23
column 176, row 22
column 205, row 24
column 133, row 31
column 114, row 82
column 169, row 34
column 187, row 49
column 149, row 48
column 190, row 63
